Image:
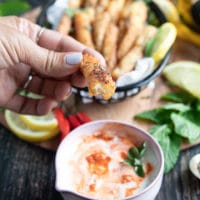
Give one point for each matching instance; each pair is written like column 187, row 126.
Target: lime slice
column 186, row 75
column 162, row 41
column 39, row 123
column 26, row 133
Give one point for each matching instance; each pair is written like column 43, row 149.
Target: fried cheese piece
column 137, row 18
column 100, row 81
column 102, row 6
column 100, row 27
column 75, row 3
column 65, row 24
column 88, row 3
column 128, row 62
column 115, row 8
column 82, row 27
column 109, row 49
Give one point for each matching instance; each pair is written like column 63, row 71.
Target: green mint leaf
column 171, row 150
column 169, row 142
column 162, row 115
column 139, row 170
column 160, row 132
column 136, row 162
column 186, row 128
column 179, row 97
column 128, row 162
column 133, row 153
column 154, row 115
column 176, row 107
column 142, row 149
column 14, row 7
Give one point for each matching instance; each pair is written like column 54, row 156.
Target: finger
column 58, row 90
column 46, row 62
column 78, row 80
column 25, row 105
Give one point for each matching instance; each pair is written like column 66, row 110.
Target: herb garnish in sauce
column 134, row 159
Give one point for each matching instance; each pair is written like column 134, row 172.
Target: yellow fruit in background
column 23, row 131
column 168, row 9
column 45, row 122
column 162, row 41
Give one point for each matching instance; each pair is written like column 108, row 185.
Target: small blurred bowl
column 150, row 187
column 122, row 92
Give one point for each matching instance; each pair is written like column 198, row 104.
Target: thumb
column 47, row 62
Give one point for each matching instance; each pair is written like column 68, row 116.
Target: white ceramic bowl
column 150, row 187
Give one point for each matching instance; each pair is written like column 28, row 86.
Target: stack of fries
column 116, row 28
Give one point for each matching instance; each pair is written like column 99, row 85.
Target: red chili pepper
column 83, row 117
column 74, row 122
column 63, row 122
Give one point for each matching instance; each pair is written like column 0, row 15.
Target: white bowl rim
column 157, row 148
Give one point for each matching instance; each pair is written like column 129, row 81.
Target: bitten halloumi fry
column 137, row 18
column 127, row 63
column 82, row 28
column 65, row 25
column 99, row 81
column 100, row 27
column 115, row 8
column 109, row 49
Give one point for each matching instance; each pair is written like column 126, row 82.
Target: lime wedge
column 185, row 75
column 162, row 41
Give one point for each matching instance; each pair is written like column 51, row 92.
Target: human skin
column 53, row 60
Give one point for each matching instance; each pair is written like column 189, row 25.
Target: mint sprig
column 135, row 157
column 175, row 122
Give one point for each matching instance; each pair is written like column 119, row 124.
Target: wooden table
column 27, row 171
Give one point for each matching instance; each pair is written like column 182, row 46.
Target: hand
column 54, row 61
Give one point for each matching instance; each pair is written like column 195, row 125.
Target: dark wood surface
column 27, row 173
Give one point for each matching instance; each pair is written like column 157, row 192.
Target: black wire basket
column 129, row 90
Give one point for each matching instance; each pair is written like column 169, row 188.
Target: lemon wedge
column 163, row 41
column 169, row 9
column 39, row 123
column 23, row 131
column 185, row 75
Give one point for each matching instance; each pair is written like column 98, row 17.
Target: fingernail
column 73, row 58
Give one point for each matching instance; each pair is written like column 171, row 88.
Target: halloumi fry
column 109, row 49
column 88, row 3
column 100, row 27
column 82, row 28
column 115, row 8
column 65, row 24
column 75, row 3
column 127, row 63
column 102, row 6
column 137, row 19
column 99, row 81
